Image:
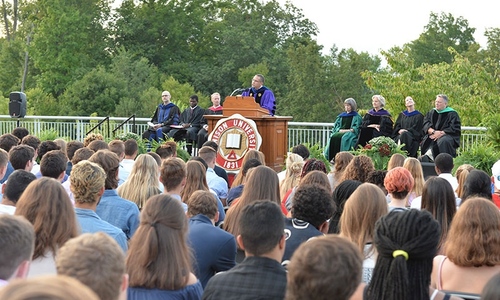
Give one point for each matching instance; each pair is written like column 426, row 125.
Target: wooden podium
column 273, row 129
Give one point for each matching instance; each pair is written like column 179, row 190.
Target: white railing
column 75, row 128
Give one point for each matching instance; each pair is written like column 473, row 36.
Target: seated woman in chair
column 408, row 128
column 345, row 130
column 377, row 122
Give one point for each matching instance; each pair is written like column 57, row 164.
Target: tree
column 242, row 33
column 10, row 18
column 163, row 31
column 97, row 92
column 344, row 69
column 464, row 83
column 41, row 103
column 441, row 32
column 11, row 66
column 139, row 78
column 70, row 38
column 491, row 56
column 307, row 99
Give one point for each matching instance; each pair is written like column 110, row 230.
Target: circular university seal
column 235, row 136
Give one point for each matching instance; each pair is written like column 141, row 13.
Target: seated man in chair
column 166, row 114
column 191, row 121
column 442, row 128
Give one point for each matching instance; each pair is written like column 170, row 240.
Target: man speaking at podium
column 262, row 94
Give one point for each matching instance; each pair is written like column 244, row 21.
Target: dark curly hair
column 312, row 204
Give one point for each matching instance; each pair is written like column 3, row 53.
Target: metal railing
column 75, row 128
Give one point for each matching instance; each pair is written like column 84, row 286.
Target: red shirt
column 496, row 199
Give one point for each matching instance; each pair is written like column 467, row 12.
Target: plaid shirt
column 254, row 278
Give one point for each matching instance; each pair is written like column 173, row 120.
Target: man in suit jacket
column 191, row 121
column 214, row 248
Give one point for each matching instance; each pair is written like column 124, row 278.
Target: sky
column 371, row 26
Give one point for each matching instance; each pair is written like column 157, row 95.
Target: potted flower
column 380, row 150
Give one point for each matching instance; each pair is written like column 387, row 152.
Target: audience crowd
column 98, row 220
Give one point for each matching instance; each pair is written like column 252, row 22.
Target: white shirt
column 125, row 169
column 43, row 266
column 7, row 209
column 452, row 180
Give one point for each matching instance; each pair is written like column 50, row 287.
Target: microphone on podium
column 238, row 90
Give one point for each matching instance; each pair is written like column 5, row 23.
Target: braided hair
column 406, row 243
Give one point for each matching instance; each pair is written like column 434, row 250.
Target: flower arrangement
column 380, row 150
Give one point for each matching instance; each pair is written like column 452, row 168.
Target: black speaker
column 428, row 169
column 17, row 104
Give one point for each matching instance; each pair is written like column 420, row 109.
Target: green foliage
column 441, row 32
column 461, row 81
column 84, row 61
column 70, row 39
column 4, row 105
column 141, row 81
column 180, row 92
column 246, row 74
column 481, row 157
column 48, row 135
column 490, row 57
column 344, row 69
column 130, row 135
column 97, row 92
column 11, row 66
column 41, row 103
column 380, row 150
column 316, row 151
column 307, row 77
column 493, row 131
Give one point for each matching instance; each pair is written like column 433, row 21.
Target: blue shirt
column 217, row 184
column 214, row 249
column 178, row 197
column 234, row 193
column 91, row 223
column 191, row 292
column 118, row 212
column 9, row 171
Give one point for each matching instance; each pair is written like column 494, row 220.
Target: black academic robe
column 413, row 136
column 368, row 133
column 449, row 122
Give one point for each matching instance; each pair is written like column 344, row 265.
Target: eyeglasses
column 165, row 95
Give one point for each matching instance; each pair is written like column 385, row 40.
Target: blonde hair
column 87, row 179
column 142, row 182
column 361, row 211
column 396, row 160
column 461, row 174
column 413, row 165
column 62, row 144
column 92, row 137
column 292, row 177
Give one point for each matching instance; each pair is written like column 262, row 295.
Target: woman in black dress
column 377, row 122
